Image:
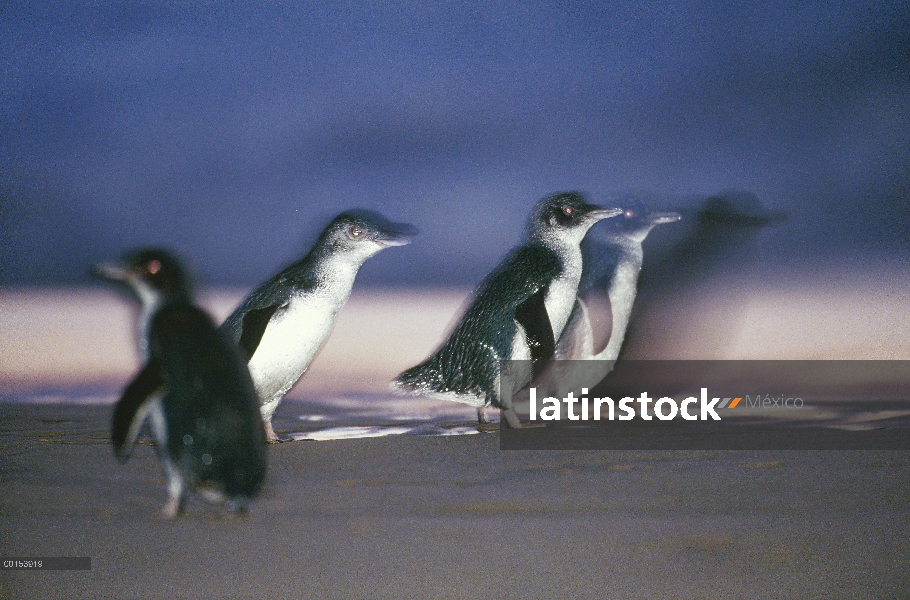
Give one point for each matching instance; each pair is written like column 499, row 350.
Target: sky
column 231, row 133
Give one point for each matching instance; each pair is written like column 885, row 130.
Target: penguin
column 691, row 300
column 194, row 386
column 612, row 260
column 149, row 302
column 517, row 313
column 283, row 323
column 719, row 245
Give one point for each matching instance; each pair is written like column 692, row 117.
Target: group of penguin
column 209, row 393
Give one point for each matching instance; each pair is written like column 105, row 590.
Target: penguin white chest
column 623, row 288
column 291, row 340
column 560, row 298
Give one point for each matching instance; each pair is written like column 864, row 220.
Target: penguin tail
column 429, row 379
column 422, row 379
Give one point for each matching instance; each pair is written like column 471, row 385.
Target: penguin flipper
column 600, row 261
column 599, row 312
column 533, row 317
column 575, row 343
column 132, row 408
column 253, row 327
column 574, row 346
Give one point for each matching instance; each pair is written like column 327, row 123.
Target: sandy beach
column 455, row 517
column 427, row 515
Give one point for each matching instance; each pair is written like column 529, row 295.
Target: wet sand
column 454, row 517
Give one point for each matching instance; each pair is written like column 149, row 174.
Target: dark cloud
column 233, row 134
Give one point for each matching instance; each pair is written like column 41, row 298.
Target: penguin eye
column 153, row 266
column 356, row 232
column 568, row 210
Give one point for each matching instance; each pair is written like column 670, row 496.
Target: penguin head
column 153, row 274
column 636, row 221
column 363, row 233
column 565, row 216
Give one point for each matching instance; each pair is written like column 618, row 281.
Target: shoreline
column 82, row 336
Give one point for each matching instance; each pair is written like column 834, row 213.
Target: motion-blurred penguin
column 612, row 260
column 691, row 299
column 284, row 322
column 518, row 312
column 194, row 386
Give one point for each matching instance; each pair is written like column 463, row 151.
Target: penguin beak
column 399, row 235
column 110, row 271
column 387, row 240
column 659, row 218
column 598, row 214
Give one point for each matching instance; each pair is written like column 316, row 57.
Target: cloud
column 233, row 132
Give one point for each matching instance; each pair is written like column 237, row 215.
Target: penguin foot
column 511, row 418
column 211, row 494
column 172, row 508
column 270, row 435
column 237, row 507
column 176, row 489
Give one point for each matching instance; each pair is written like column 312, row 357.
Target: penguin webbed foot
column 510, row 418
column 173, row 508
column 237, row 507
column 270, row 435
column 122, row 454
column 273, row 438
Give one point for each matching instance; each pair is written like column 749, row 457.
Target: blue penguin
column 612, row 260
column 195, row 387
column 517, row 313
column 149, row 303
column 720, row 243
column 284, row 322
